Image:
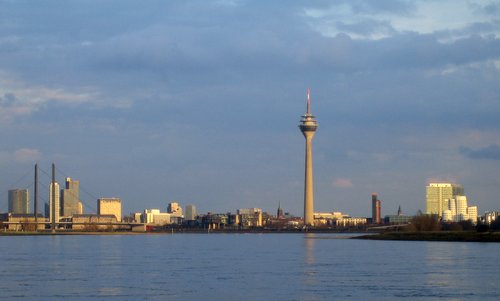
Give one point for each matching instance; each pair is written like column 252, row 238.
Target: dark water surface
column 244, row 267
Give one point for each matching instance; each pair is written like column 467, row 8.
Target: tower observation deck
column 308, row 126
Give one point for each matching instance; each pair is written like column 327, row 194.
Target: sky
column 199, row 101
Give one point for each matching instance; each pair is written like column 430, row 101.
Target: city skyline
column 441, row 198
column 200, row 99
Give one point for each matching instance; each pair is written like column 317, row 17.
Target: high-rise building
column 437, row 193
column 461, row 207
column 457, row 210
column 472, row 213
column 308, row 126
column 110, row 206
column 376, row 208
column 190, row 213
column 19, row 202
column 56, row 200
column 70, row 198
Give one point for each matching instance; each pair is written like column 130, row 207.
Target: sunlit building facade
column 106, row 206
column 250, row 217
column 458, row 210
column 54, row 202
column 156, row 217
column 437, row 193
column 174, row 209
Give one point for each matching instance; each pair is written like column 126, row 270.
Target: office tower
column 376, row 207
column 70, row 197
column 19, row 202
column 308, row 126
column 461, row 208
column 457, row 210
column 437, row 193
column 472, row 213
column 110, row 206
column 57, row 208
column 174, row 209
column 190, row 213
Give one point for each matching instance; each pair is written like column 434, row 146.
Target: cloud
column 367, row 28
column 27, row 155
column 22, row 155
column 21, row 99
column 384, row 19
column 491, row 152
column 342, row 183
column 203, row 79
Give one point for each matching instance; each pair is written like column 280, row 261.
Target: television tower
column 308, row 126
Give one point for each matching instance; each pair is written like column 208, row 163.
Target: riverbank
column 178, row 231
column 48, row 233
column 460, row 236
column 463, row 236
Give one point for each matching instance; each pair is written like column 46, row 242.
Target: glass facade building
column 19, row 201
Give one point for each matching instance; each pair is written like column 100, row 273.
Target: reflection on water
column 451, row 265
column 244, row 267
column 309, row 259
column 309, row 241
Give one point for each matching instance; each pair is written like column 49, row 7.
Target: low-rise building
column 138, row 217
column 250, row 217
column 94, row 222
column 214, row 220
column 22, row 222
column 350, row 221
column 397, row 219
column 327, row 218
column 490, row 217
column 156, row 217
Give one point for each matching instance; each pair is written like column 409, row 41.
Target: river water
column 244, row 267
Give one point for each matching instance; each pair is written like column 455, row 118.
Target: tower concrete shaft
column 308, row 126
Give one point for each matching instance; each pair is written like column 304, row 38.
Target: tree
column 495, row 225
column 424, row 223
